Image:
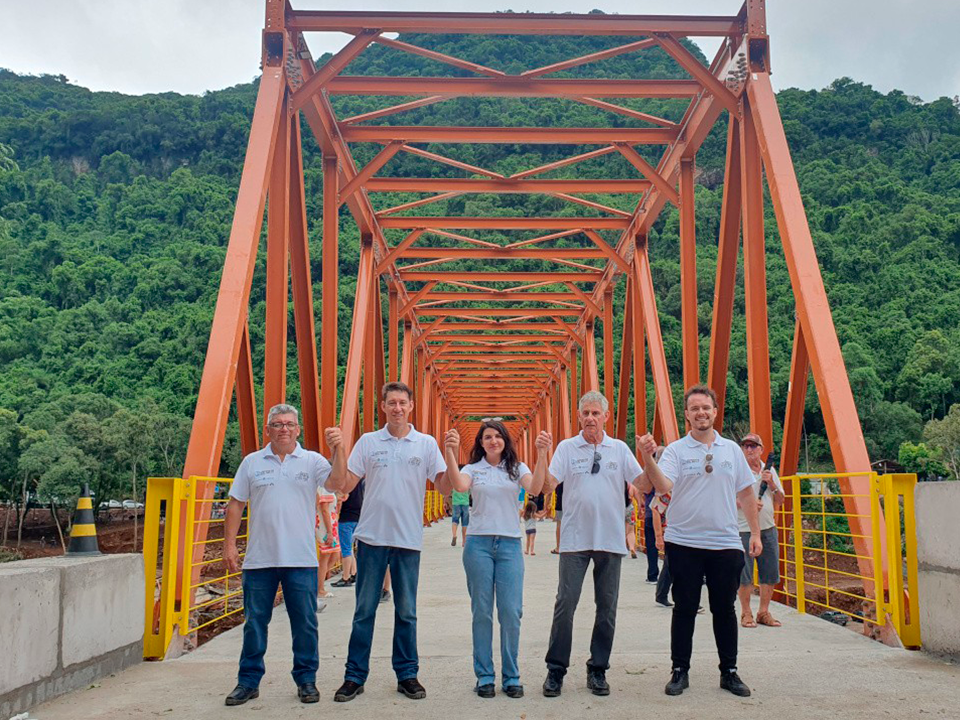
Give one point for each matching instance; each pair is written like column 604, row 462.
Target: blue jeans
column 346, row 530
column 372, row 563
column 494, row 567
column 300, row 597
column 460, row 515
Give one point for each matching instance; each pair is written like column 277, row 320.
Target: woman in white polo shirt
column 492, row 556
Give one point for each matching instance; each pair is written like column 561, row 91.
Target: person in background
column 529, row 515
column 558, row 515
column 349, row 515
column 769, row 494
column 658, row 511
column 459, row 514
column 630, row 520
column 650, row 540
column 328, row 543
column 280, row 482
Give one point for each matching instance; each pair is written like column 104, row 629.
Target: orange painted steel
column 479, row 340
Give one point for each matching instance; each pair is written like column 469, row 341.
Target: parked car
column 110, row 505
column 131, row 505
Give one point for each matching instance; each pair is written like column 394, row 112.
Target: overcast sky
column 190, row 46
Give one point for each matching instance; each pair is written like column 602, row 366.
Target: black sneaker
column 485, row 691
column 348, row 691
column 513, row 691
column 453, row 542
column 732, row 682
column 597, row 681
column 679, row 682
column 412, row 688
column 308, row 693
column 349, row 582
column 553, row 684
column 240, row 695
column 384, row 595
column 665, row 603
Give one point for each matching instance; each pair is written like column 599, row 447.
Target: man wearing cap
column 280, row 482
column 594, row 470
column 395, row 463
column 708, row 474
column 769, row 496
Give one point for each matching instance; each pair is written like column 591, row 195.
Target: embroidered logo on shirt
column 415, row 461
column 302, row 476
column 612, row 465
column 727, row 465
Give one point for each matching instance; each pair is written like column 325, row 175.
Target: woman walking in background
column 491, row 555
column 530, row 525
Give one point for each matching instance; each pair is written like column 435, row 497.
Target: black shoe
column 665, row 603
column 513, row 691
column 308, row 693
column 679, row 682
column 348, row 691
column 732, row 682
column 240, row 695
column 344, row 583
column 485, row 691
column 553, row 684
column 412, row 688
column 384, row 595
column 453, row 542
column 597, row 681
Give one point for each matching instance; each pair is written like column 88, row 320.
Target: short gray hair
column 593, row 397
column 283, row 409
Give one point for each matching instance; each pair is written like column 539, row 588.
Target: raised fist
column 544, row 441
column 451, row 441
column 334, row 437
column 646, row 445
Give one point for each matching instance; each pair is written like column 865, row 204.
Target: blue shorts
column 461, row 515
column 346, row 538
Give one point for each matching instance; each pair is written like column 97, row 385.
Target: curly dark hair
column 509, row 455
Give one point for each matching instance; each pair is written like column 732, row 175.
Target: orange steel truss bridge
column 514, row 344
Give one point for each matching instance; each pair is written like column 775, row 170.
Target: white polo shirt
column 703, row 506
column 593, row 504
column 396, row 471
column 495, row 499
column 283, row 506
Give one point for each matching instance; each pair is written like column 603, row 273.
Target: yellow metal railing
column 861, row 565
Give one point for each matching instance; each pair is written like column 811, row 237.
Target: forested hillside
column 115, row 211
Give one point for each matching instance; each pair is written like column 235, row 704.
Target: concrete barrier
column 938, row 556
column 65, row 623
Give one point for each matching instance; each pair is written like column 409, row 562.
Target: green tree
column 945, row 436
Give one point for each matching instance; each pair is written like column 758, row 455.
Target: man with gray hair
column 594, row 470
column 280, row 482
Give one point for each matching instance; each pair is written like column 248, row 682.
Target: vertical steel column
column 688, row 277
column 589, row 378
column 639, row 366
column 566, row 411
column 755, row 282
column 379, row 360
column 394, row 333
column 350, row 407
column 330, row 302
column 608, row 355
column 406, row 362
column 246, row 398
column 643, row 280
column 626, row 356
column 726, row 272
column 278, row 250
column 302, row 289
column 369, row 361
column 574, row 389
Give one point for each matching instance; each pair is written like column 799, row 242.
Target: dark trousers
column 664, row 581
column 606, row 584
column 300, row 598
column 372, row 564
column 721, row 568
column 650, row 548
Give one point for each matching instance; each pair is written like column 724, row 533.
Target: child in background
column 658, row 508
column 328, row 542
column 530, row 523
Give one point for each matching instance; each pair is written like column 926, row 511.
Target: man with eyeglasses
column 594, row 469
column 709, row 475
column 395, row 463
column 280, row 482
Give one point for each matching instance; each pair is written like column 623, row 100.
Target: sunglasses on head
column 495, row 419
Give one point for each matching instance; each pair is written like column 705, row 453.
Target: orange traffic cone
column 83, row 532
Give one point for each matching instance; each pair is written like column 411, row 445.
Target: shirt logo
column 727, row 465
column 612, row 465
column 302, row 476
column 415, row 461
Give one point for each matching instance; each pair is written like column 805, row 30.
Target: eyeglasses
column 283, row 425
column 749, row 445
column 496, row 419
column 597, row 457
column 707, row 466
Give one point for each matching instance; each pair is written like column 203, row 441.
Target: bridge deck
column 806, row 667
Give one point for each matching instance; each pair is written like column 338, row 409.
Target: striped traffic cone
column 83, row 532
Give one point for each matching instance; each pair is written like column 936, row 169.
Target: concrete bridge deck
column 807, row 668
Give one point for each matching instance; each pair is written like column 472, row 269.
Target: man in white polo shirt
column 594, row 469
column 709, row 475
column 280, row 482
column 396, row 462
